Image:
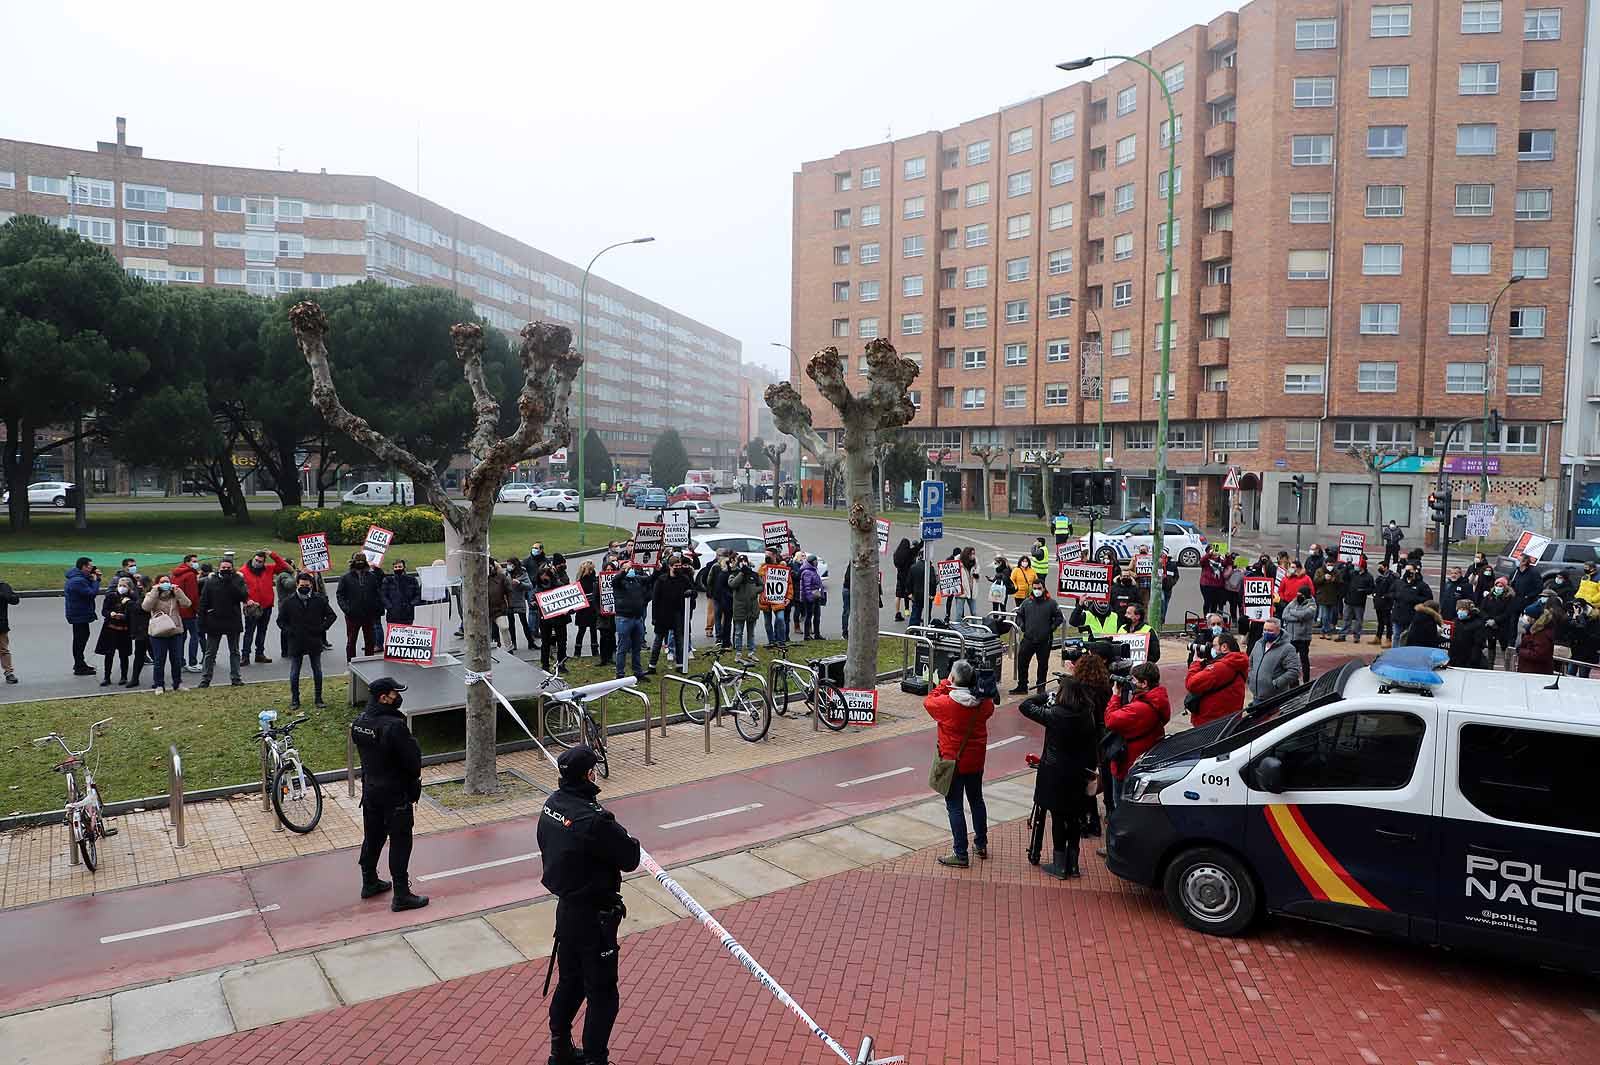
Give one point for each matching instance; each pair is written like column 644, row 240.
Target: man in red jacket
column 186, row 578
column 258, row 574
column 1218, row 681
column 1141, row 720
column 963, row 719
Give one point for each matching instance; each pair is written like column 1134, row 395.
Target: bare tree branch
column 548, row 366
column 793, row 418
column 467, row 338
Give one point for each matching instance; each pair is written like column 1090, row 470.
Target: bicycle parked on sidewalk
column 739, row 692
column 84, row 820
column 818, row 694
column 570, row 721
column 296, row 795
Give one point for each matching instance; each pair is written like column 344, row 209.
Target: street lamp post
column 799, row 452
column 1100, row 347
column 583, row 372
column 1158, row 519
column 1488, row 378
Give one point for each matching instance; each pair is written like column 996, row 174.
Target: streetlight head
column 1077, row 64
column 642, row 240
column 1515, row 278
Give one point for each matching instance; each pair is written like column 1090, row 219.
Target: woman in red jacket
column 1141, row 721
column 963, row 719
column 1218, row 681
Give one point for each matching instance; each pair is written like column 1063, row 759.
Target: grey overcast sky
column 568, row 126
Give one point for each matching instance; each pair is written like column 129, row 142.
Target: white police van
column 1450, row 806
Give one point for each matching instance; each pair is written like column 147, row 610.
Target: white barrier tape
column 711, row 923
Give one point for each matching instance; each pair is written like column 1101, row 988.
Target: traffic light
column 1494, row 425
column 1439, row 506
column 1299, row 485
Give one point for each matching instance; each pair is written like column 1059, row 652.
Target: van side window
column 1362, row 751
column 1579, row 553
column 1531, row 777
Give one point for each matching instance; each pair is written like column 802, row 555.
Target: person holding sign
column 360, row 598
column 306, row 618
column 673, row 585
column 401, row 592
column 1134, row 621
column 552, row 630
column 777, row 592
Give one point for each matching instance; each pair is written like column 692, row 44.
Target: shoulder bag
column 943, row 772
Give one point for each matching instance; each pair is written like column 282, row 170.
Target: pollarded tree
column 774, row 453
column 548, row 368
column 988, row 455
column 883, row 407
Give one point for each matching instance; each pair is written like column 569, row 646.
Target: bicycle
column 295, row 791
column 83, row 818
column 570, row 723
column 740, row 691
column 819, row 695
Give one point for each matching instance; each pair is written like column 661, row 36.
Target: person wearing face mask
column 1424, row 630
column 1134, row 621
column 1037, row 622
column 1526, row 584
column 1138, row 714
column 282, row 590
column 1070, row 759
column 139, row 627
column 1095, row 620
column 1482, row 578
column 1581, row 632
column 116, row 631
column 1274, row 663
column 1358, row 585
column 1540, row 624
column 631, row 592
column 222, row 598
column 553, row 630
column 1216, row 683
column 306, row 618
column 258, row 576
column 1299, row 618
column 1468, row 633
column 1410, row 593
column 391, row 783
column 1562, row 584
column 185, row 578
column 1500, row 612
column 1383, row 585
column 1392, row 539
column 1209, row 629
column 360, row 596
column 165, row 604
column 1457, row 586
column 1589, row 587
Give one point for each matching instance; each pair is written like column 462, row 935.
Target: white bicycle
column 84, row 821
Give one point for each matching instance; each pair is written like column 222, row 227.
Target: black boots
column 1058, row 867
column 562, row 1052
column 404, row 900
column 371, row 886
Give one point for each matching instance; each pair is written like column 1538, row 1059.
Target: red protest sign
column 560, row 601
column 410, row 643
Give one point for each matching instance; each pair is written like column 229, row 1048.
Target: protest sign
column 1085, row 581
column 1258, row 598
column 410, row 643
column 950, row 575
column 561, row 600
column 883, row 536
column 1144, row 565
column 314, row 555
column 1530, row 544
column 860, row 707
column 648, row 539
column 608, row 592
column 377, row 544
column 775, row 586
column 776, row 536
column 677, row 527
column 1138, row 646
column 1352, row 545
column 1480, row 519
column 1070, row 551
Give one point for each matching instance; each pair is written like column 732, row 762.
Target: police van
column 1450, row 806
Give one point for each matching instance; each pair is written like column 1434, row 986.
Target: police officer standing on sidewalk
column 585, row 854
column 391, row 782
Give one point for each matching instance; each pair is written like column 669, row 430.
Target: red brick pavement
column 993, row 964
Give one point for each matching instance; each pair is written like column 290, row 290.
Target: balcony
column 1211, row 404
column 1222, row 85
column 1216, row 299
column 1222, row 31
column 1219, row 139
column 1097, row 135
column 1218, row 192
column 1215, row 247
column 1214, row 351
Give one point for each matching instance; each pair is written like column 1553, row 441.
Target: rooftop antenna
column 280, row 157
column 419, row 157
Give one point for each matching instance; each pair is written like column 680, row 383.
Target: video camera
column 1112, row 651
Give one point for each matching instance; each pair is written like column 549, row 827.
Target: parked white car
column 517, row 492
column 750, row 547
column 44, row 494
column 554, row 499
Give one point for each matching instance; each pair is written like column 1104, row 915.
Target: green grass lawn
column 212, row 729
column 906, row 517
column 171, row 534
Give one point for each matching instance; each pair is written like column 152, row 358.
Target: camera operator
column 1581, row 632
column 1201, row 635
column 1037, row 621
column 1216, row 681
column 1136, row 718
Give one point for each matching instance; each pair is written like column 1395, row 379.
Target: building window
column 1380, row 319
column 1056, row 395
column 911, row 325
column 1306, row 322
column 1464, row 377
column 1376, row 376
column 1311, row 150
column 1161, row 181
column 1313, row 92
column 974, row 317
column 866, row 329
column 915, row 207
column 1347, row 435
column 842, row 182
column 1060, row 216
column 1215, row 379
column 1391, row 20
column 1127, row 100
column 1161, row 234
column 8, row 179
column 1016, row 311
column 144, row 197
column 1121, row 247
column 975, row 277
column 1063, row 126
column 1386, row 201
column 188, row 274
column 1060, row 262
column 1386, row 142
column 1058, row 306
column 1469, row 319
column 1017, row 269
column 1541, row 24
column 974, row 358
column 1309, row 265
column 915, row 396
column 1122, row 294
column 1315, row 33
column 228, row 277
column 1061, row 171
column 1121, row 341
column 947, row 358
column 91, row 192
column 1310, row 206
column 870, row 215
column 841, row 327
column 869, row 292
column 1480, row 16
column 952, row 199
column 1531, row 262
column 1303, row 379
column 1140, row 437
column 1467, row 259
column 1020, row 183
column 1155, row 387
column 1236, row 436
column 911, row 285
column 977, row 152
column 1016, row 354
column 1527, row 322
column 841, row 254
column 1389, row 81
column 1166, row 137
column 1126, row 149
column 1172, row 77
column 1015, row 396
column 1475, row 138
column 1019, row 226
column 1058, row 350
column 1122, row 199
column 1475, row 200
column 869, row 254
column 1217, row 273
column 911, row 247
column 1534, row 145
column 915, row 168
column 1381, row 260
column 947, row 397
column 103, row 230
column 871, row 177
column 977, row 194
column 977, row 235
column 974, row 398
column 1019, row 141
column 144, row 235
column 841, row 218
column 1479, row 79
column 1300, row 435
column 1524, row 380
column 1218, row 326
column 1538, row 85
column 1119, row 390
column 947, row 277
column 1533, row 205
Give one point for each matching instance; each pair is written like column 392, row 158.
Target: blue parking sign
column 932, row 500
column 933, row 530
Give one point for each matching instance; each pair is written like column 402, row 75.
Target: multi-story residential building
column 1355, row 183
column 272, row 231
column 1580, row 437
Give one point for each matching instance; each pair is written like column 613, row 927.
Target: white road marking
column 1002, row 743
column 875, row 776
column 481, row 865
column 712, row 817
column 198, row 922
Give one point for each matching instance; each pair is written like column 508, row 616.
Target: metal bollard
column 175, row 796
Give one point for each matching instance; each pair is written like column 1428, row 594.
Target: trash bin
column 982, row 648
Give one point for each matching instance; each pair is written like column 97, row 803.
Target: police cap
column 385, row 685
column 575, row 762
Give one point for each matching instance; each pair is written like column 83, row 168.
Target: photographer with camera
column 1069, row 761
column 1216, row 681
column 962, row 714
column 1201, row 633
column 1136, row 719
column 1037, row 621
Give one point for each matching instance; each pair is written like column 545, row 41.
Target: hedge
column 348, row 525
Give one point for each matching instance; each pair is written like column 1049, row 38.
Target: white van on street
column 380, row 493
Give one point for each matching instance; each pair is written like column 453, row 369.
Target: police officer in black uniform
column 585, row 854
column 391, row 781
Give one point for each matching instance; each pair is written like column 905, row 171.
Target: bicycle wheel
column 751, row 715
column 597, row 744
column 296, row 796
column 830, row 707
column 86, row 842
column 780, row 692
column 562, row 723
column 693, row 704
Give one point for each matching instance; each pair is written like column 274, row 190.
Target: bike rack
column 905, row 651
column 784, row 663
column 1009, row 616
column 266, row 786
column 175, row 795
column 688, row 682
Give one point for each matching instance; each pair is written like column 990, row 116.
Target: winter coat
column 222, row 598
column 1299, row 616
column 500, row 593
column 1211, row 575
column 81, row 593
column 960, row 714
column 1314, row 564
column 1358, row 584
column 1330, row 587
column 537, row 615
column 1274, row 667
column 1536, row 652
column 1021, row 581
column 1289, row 587
column 1583, row 637
column 1383, row 591
column 1219, row 682
column 116, row 633
column 400, row 597
column 1589, row 592
column 260, row 584
column 632, row 594
column 1424, row 628
column 1038, row 620
column 671, row 592
column 138, row 616
column 8, row 599
column 186, row 579
column 1141, row 723
column 360, row 594
column 1451, row 591
column 1467, row 640
column 1526, row 584
column 810, row 583
column 904, row 556
column 306, row 621
column 590, row 584
column 1071, row 752
column 1562, row 585
column 1392, row 535
column 1501, row 613
column 1407, row 597
column 744, row 585
column 173, row 606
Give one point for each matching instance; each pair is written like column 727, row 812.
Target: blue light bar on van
column 1412, row 666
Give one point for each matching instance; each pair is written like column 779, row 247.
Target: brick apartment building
column 271, row 231
column 1356, row 181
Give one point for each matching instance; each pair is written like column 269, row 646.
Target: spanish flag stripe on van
column 1312, row 862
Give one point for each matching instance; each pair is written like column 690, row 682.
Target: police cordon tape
column 731, row 945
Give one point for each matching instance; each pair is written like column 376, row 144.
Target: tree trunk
column 861, row 652
column 482, row 710
column 983, row 490
column 1044, row 491
column 286, row 478
column 18, row 461
column 236, row 506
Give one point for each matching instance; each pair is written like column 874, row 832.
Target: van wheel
column 1211, row 891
